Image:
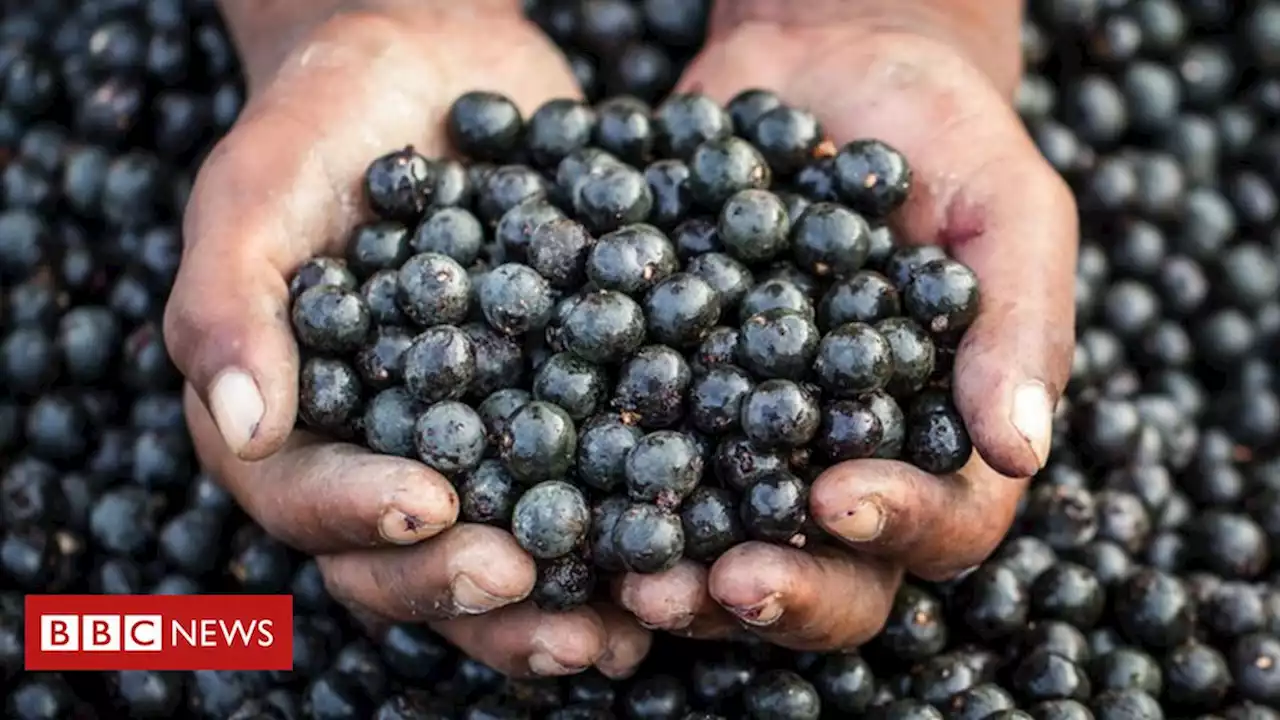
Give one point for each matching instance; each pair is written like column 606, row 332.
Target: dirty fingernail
column 405, row 528
column 543, row 664
column 680, row 621
column 1032, row 415
column 237, row 408
column 471, row 599
column 765, row 612
column 863, row 523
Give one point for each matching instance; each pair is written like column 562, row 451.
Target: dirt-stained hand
column 284, row 186
column 982, row 190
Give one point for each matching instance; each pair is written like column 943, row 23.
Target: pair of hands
column 283, row 186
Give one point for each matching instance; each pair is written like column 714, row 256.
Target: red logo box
column 159, row 632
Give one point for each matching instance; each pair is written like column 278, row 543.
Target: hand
column 983, row 191
column 282, row 187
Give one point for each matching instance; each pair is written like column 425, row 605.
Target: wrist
column 265, row 33
column 985, row 31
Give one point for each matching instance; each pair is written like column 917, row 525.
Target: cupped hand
column 982, row 190
column 284, row 186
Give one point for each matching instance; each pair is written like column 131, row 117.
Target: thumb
column 284, row 185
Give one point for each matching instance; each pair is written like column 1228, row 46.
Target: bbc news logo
column 159, row 632
column 146, row 633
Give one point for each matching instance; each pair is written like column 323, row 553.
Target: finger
column 284, row 185
column 626, row 646
column 980, row 188
column 935, row 526
column 322, row 497
column 467, row 570
column 816, row 599
column 524, row 641
column 677, row 601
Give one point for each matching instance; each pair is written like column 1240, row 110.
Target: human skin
column 934, row 79
column 334, row 83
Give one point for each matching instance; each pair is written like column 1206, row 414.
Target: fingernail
column 671, row 624
column 237, row 407
column 863, row 523
column 765, row 612
column 680, row 621
column 470, row 599
column 542, row 663
column 1032, row 415
column 404, row 528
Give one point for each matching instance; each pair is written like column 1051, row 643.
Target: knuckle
column 1056, row 193
column 868, row 629
column 337, row 585
column 275, row 522
column 985, row 539
column 987, row 544
column 958, row 557
column 233, row 172
column 226, row 165
column 975, row 554
column 184, row 325
column 221, row 180
column 174, row 327
column 394, row 582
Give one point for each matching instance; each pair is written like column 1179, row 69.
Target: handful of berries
column 633, row 335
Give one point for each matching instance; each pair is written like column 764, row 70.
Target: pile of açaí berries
column 633, row 335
